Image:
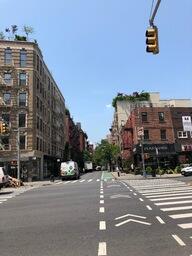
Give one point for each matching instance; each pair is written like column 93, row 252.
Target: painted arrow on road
column 119, row 196
column 131, row 220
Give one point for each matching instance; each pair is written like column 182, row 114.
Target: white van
column 69, row 170
column 4, row 179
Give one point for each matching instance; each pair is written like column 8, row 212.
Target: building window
column 8, row 78
column 8, row 56
column 161, row 116
column 163, row 134
column 22, row 142
column 37, row 123
column 144, row 116
column 182, row 134
column 37, row 103
column 146, row 135
column 7, row 98
column 6, row 118
column 22, row 120
column 23, row 58
column 37, row 146
column 5, row 143
column 22, row 79
column 22, row 99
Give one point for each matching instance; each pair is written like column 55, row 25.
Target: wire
column 151, row 8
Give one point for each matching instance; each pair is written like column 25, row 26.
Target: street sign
column 140, row 131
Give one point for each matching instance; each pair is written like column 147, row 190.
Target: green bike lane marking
column 106, row 175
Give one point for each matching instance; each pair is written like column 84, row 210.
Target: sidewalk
column 124, row 176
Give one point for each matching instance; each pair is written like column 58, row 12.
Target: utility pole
column 18, row 153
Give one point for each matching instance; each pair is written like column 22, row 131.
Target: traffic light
column 4, row 128
column 152, row 40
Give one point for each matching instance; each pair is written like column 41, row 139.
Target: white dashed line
column 141, row 199
column 98, row 179
column 102, row 225
column 149, row 207
column 102, row 250
column 74, row 181
column 185, row 225
column 101, row 192
column 101, row 196
column 179, row 241
column 176, row 208
column 101, row 201
column 90, row 180
column 101, row 209
column 81, row 180
column 160, row 220
column 134, row 194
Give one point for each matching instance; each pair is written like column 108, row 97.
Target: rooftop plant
column 136, row 96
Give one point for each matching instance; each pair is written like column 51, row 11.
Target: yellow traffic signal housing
column 152, row 40
column 3, row 128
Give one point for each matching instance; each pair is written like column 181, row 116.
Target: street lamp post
column 18, row 153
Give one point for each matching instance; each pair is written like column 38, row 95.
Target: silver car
column 186, row 171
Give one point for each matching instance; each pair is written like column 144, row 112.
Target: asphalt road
column 94, row 216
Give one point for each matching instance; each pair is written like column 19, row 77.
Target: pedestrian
column 118, row 171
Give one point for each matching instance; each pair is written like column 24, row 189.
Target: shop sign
column 186, row 147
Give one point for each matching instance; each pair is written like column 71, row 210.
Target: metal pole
column 18, row 154
column 154, row 13
column 143, row 159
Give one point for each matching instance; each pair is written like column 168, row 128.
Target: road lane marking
column 185, row 225
column 161, row 191
column 101, row 209
column 141, row 199
column 101, row 201
column 3, row 200
column 160, row 220
column 101, row 196
column 181, row 216
column 132, row 220
column 67, row 182
column 176, row 208
column 90, row 180
column 170, row 198
column 127, row 215
column 81, row 180
column 179, row 241
column 149, row 207
column 98, row 179
column 102, row 250
column 74, row 181
column 160, row 186
column 101, row 192
column 176, row 202
column 171, row 194
column 134, row 194
column 102, row 225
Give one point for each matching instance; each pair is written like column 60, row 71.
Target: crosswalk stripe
column 150, row 192
column 185, row 225
column 181, row 216
column 171, row 194
column 81, row 181
column 169, row 198
column 176, row 208
column 3, row 200
column 98, row 179
column 175, row 202
column 74, row 181
column 89, row 180
column 66, row 182
column 159, row 186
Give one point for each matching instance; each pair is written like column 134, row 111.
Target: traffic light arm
column 154, row 13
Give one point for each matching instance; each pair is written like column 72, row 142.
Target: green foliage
column 177, row 169
column 149, row 170
column 20, row 38
column 87, row 156
column 143, row 96
column 2, row 36
column 105, row 153
column 28, row 30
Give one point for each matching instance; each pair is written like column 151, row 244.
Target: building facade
column 33, row 107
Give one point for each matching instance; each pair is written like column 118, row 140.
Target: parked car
column 186, row 171
column 4, row 179
column 69, row 170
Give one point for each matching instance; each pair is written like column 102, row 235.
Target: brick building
column 30, row 101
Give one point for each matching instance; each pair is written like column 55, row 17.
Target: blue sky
column 96, row 48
